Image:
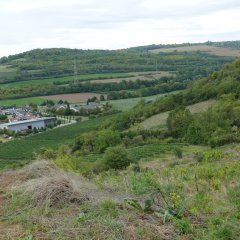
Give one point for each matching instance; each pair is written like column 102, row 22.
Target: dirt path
column 8, row 231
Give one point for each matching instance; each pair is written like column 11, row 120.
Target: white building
column 29, row 124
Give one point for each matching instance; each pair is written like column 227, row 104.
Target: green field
column 122, row 104
column 6, row 71
column 21, row 101
column 49, row 81
column 161, row 118
column 24, row 149
column 126, row 104
column 145, row 151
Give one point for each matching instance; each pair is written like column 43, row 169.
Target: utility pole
column 75, row 72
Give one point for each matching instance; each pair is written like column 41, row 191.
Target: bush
column 107, row 138
column 183, row 226
column 49, row 154
column 117, row 158
column 178, row 152
column 109, row 207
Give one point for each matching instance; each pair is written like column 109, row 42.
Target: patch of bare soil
column 142, row 77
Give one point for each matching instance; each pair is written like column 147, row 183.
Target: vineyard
column 26, row 148
column 140, row 152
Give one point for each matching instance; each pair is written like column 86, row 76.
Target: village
column 31, row 119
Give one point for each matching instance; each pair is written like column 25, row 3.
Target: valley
column 146, row 145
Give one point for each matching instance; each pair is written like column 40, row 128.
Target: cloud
column 112, row 24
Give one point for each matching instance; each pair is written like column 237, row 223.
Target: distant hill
column 58, row 62
column 43, row 72
column 225, row 44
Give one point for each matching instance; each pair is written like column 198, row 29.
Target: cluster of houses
column 19, row 114
column 77, row 107
column 31, row 124
column 24, row 118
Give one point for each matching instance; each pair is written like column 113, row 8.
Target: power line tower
column 75, row 72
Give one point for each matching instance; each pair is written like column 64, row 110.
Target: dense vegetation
column 45, row 63
column 65, row 70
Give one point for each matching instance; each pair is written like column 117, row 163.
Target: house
column 29, row 124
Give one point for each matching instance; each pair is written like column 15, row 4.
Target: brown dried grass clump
column 52, row 191
column 39, row 169
column 48, row 185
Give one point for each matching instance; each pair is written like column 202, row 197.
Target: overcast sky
column 114, row 24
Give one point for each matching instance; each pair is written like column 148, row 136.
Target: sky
column 114, row 24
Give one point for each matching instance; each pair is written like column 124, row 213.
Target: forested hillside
column 45, row 63
column 56, row 71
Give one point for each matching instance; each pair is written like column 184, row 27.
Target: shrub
column 178, row 152
column 117, row 158
column 49, row 154
column 183, row 226
column 143, row 182
column 107, row 138
column 199, row 156
column 234, row 196
column 109, row 207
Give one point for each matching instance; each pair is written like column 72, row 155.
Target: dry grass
column 202, row 106
column 149, row 231
column 49, row 185
column 218, row 51
column 9, row 231
column 39, row 169
column 56, row 200
column 161, row 118
column 52, row 191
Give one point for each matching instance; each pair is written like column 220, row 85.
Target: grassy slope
column 127, row 104
column 161, row 118
column 206, row 192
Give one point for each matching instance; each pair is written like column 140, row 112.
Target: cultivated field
column 6, row 71
column 22, row 101
column 123, row 104
column 17, row 152
column 81, row 78
column 138, row 76
column 218, row 51
column 141, row 152
column 98, row 78
column 161, row 118
column 74, row 97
